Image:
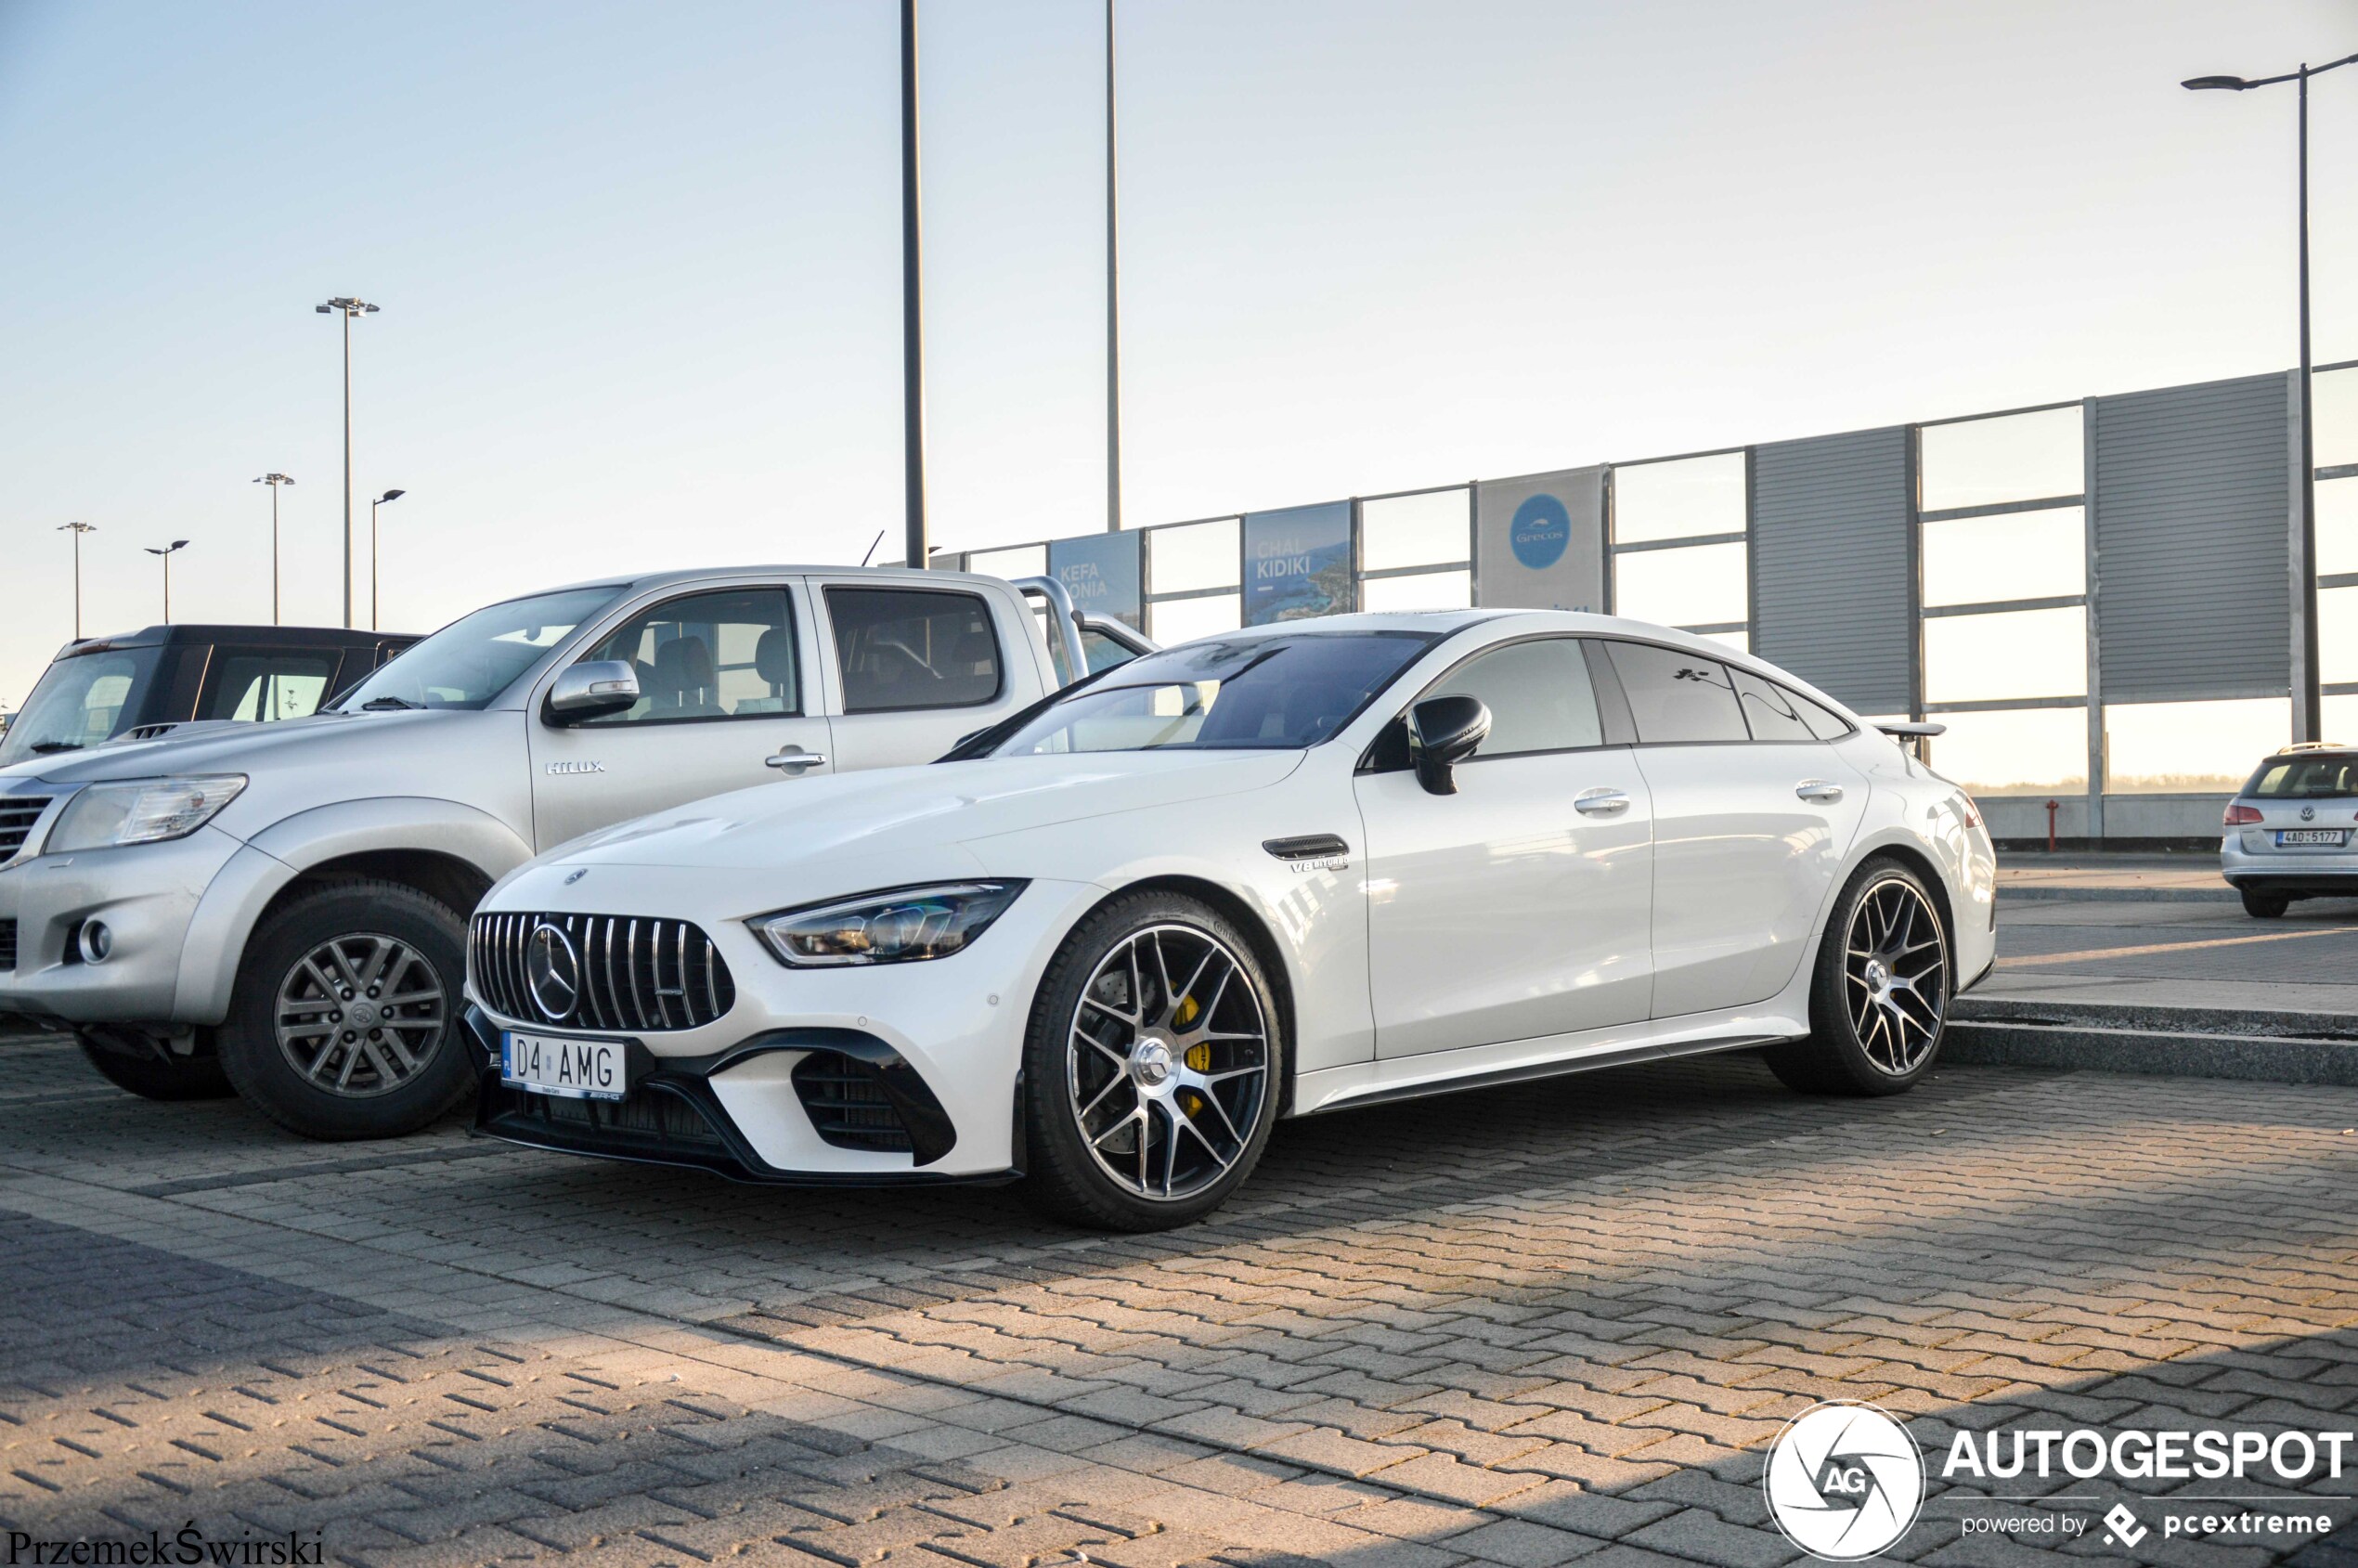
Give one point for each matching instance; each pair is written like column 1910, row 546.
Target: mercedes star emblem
column 553, row 970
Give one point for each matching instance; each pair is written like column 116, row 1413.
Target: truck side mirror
column 590, row 689
column 1443, row 731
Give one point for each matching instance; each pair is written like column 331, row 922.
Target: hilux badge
column 576, row 766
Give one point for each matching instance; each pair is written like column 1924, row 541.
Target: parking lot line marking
column 2024, row 960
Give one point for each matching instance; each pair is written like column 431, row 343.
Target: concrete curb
column 2170, row 1042
column 2222, row 894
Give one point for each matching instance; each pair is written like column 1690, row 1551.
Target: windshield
column 474, row 659
column 2306, row 778
column 79, row 702
column 1280, row 691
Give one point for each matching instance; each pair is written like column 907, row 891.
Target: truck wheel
column 141, row 1070
column 345, row 1020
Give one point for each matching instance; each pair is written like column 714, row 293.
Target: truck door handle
column 795, row 761
column 1824, row 791
column 1600, row 803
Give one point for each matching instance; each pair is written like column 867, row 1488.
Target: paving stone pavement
column 1522, row 1327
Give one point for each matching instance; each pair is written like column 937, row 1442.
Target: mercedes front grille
column 616, row 972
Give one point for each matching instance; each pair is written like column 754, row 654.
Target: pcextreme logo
column 1844, row 1479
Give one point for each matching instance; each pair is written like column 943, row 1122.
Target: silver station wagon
column 2289, row 831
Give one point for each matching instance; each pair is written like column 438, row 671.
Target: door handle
column 1600, row 803
column 1824, row 791
column 795, row 759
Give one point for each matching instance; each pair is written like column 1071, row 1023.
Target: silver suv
column 280, row 909
column 2290, row 830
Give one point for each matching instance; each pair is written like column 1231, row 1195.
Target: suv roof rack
column 2312, row 745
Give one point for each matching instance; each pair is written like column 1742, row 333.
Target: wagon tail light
column 2242, row 816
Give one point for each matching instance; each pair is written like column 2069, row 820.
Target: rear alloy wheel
column 2265, row 906
column 1879, row 1000
column 343, row 1024
column 1151, row 1070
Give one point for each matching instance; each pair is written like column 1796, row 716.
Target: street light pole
column 274, row 481
column 388, row 496
column 347, row 307
column 77, row 530
column 1113, row 297
column 913, row 325
column 167, row 553
column 2309, row 706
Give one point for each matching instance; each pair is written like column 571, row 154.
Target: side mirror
column 1443, row 731
column 592, row 688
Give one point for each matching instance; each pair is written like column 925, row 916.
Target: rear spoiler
column 1911, row 730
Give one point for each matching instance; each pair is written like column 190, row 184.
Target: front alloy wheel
column 1151, row 1069
column 343, row 1022
column 1166, row 1062
column 361, row 1013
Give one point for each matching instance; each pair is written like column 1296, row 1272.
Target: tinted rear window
column 2333, row 776
column 1677, row 697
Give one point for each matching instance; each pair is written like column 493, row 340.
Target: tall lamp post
column 2310, row 711
column 77, row 530
column 1113, row 299
column 167, row 553
column 388, row 496
column 912, row 318
column 347, row 307
column 274, row 481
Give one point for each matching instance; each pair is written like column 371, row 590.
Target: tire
column 1196, row 1131
column 139, row 1070
column 2265, row 906
column 1868, row 1035
column 342, row 932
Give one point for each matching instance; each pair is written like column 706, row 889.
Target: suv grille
column 8, row 944
column 18, row 813
column 600, row 971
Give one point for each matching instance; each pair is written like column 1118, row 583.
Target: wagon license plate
column 2331, row 835
column 570, row 1069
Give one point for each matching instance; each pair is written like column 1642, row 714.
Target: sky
column 638, row 264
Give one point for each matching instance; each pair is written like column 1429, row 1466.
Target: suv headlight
column 143, row 812
column 895, row 926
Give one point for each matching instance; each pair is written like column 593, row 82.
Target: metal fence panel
column 2191, row 491
column 1833, row 598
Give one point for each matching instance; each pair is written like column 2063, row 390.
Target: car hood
column 228, row 748
column 893, row 810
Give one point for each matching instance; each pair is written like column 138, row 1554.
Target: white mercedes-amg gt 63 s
column 1104, row 945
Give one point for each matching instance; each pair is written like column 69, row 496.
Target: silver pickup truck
column 280, row 909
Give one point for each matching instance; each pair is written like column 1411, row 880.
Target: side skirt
column 1378, row 1093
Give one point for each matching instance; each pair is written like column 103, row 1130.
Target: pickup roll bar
column 1062, row 618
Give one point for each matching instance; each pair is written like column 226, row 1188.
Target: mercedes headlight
column 897, row 926
column 143, row 812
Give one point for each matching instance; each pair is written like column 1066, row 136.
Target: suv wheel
column 1151, row 1069
column 2265, row 906
column 1880, row 998
column 144, row 1070
column 345, row 1022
